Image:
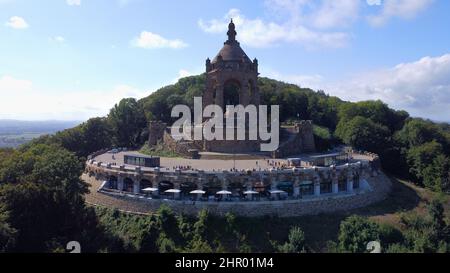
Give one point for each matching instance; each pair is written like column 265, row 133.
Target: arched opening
column 306, row 188
column 128, row 184
column 164, row 186
column 231, row 92
column 236, row 188
column 342, row 183
column 326, row 186
column 286, row 186
column 356, row 184
column 262, row 187
column 186, row 188
column 112, row 182
column 212, row 187
column 145, row 183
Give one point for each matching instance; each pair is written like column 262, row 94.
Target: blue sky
column 73, row 59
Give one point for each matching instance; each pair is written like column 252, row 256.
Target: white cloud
column 149, row 40
column 336, row 13
column 373, row 2
column 183, row 73
column 421, row 87
column 260, row 33
column 21, row 99
column 59, row 39
column 311, row 23
column 73, row 2
column 10, row 84
column 17, row 22
column 405, row 9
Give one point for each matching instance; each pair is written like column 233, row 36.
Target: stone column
column 335, row 182
column 155, row 183
column 350, row 181
column 249, row 196
column 244, row 96
column 176, row 195
column 219, row 96
column 136, row 186
column 297, row 187
column 199, row 195
column 316, row 186
column 120, row 183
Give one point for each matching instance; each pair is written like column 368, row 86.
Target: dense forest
column 41, row 193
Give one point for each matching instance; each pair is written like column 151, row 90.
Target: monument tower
column 231, row 77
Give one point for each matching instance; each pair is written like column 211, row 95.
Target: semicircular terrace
column 275, row 191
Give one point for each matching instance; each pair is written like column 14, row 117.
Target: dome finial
column 231, row 31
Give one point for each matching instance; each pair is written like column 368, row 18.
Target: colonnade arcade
column 291, row 183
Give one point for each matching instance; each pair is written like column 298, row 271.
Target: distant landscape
column 16, row 132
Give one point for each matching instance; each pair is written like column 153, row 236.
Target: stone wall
column 367, row 172
column 156, row 132
column 379, row 189
column 301, row 140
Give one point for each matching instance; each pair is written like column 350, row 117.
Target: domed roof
column 232, row 51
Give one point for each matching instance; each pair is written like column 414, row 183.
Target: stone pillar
column 249, row 196
column 317, row 188
column 176, row 195
column 296, row 190
column 335, row 182
column 350, row 185
column 136, row 186
column 219, row 96
column 244, row 95
column 316, row 181
column 120, row 183
column 199, row 195
column 297, row 187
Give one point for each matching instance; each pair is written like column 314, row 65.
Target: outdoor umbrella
column 224, row 192
column 198, row 192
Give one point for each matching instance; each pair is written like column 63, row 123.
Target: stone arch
column 145, row 183
column 356, row 180
column 342, row 182
column 186, row 188
column 113, row 182
column 212, row 187
column 262, row 186
column 232, row 92
column 287, row 186
column 164, row 186
column 237, row 188
column 326, row 184
column 128, row 184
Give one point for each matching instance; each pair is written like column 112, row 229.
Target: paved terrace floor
column 209, row 164
column 201, row 164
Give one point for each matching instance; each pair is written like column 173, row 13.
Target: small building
column 142, row 161
column 295, row 162
column 326, row 160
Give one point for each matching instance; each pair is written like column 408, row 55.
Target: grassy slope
column 320, row 229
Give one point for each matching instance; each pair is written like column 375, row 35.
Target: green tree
column 355, row 233
column 420, row 157
column 295, row 243
column 436, row 176
column 363, row 134
column 128, row 123
column 417, row 132
column 8, row 235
